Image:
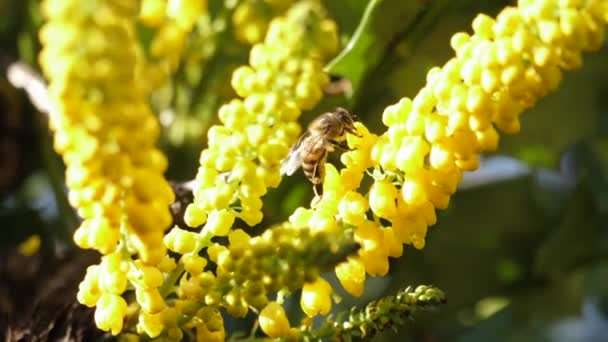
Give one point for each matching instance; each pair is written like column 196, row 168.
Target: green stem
column 169, row 283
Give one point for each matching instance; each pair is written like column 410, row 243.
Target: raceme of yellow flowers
column 100, row 79
column 106, row 132
column 503, row 68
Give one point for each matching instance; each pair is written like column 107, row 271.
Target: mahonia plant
column 171, row 283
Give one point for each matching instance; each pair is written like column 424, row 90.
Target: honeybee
column 323, row 135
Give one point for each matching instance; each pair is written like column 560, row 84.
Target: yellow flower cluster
column 106, row 133
column 172, row 21
column 503, row 68
column 244, row 154
column 104, row 128
column 241, row 162
column 252, row 17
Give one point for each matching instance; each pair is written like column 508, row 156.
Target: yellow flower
column 273, row 320
column 182, row 241
column 212, row 326
column 110, row 312
column 316, row 298
column 150, row 324
column 351, row 274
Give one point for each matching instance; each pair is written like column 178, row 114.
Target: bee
column 323, row 135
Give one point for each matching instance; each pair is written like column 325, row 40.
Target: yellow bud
column 149, row 185
column 88, row 290
column 412, row 153
column 382, row 199
column 109, row 314
column 113, row 281
column 488, row 139
column 483, row 26
column 238, row 238
column 175, row 334
column 300, row 217
column 435, row 128
column 322, row 222
column 415, row 123
column 272, row 153
column 207, row 331
column 167, row 264
column 351, row 274
column 150, row 300
column 147, row 277
column 389, row 116
column 352, row 208
column 403, row 227
column 375, row 261
column 273, row 320
column 413, row 192
column 424, row 101
column 458, row 40
column 441, row 157
column 220, row 222
column 181, row 241
column 195, row 215
column 101, row 235
column 151, row 324
column 393, row 245
column 251, row 217
column 471, row 72
column 316, row 298
column 490, row 80
column 549, row 31
column 194, row 263
column 152, row 12
column 477, row 100
column 369, row 236
column 351, row 177
column 239, row 80
column 216, row 252
column 185, row 12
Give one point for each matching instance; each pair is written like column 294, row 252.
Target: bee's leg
column 353, row 131
column 318, row 189
column 340, row 144
column 317, row 176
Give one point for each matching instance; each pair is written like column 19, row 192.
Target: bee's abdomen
column 312, row 164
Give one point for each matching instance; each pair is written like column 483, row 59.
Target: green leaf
column 383, row 25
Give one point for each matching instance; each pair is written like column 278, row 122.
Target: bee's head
column 345, row 116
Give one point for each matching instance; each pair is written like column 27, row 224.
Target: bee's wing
column 294, row 157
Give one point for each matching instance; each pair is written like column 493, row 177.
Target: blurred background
column 522, row 250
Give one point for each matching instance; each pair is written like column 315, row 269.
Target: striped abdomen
column 313, row 164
